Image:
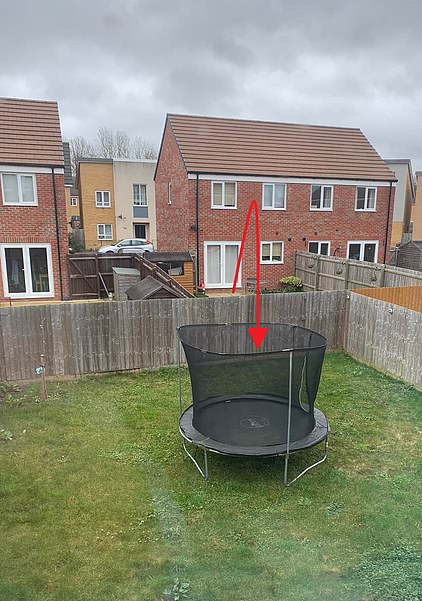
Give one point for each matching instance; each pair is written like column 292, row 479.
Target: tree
column 142, row 149
column 80, row 148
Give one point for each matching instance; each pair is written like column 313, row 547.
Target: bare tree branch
column 80, row 148
column 142, row 149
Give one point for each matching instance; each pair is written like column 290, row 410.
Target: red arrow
column 257, row 333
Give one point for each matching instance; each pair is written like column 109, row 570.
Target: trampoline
column 252, row 402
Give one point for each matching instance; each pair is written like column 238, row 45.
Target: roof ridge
column 263, row 121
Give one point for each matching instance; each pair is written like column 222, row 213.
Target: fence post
column 382, row 276
column 317, row 268
column 346, row 274
column 97, row 270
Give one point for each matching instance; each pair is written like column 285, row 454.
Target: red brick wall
column 23, row 225
column 295, row 226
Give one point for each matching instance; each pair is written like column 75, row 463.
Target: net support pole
column 179, row 377
column 289, row 418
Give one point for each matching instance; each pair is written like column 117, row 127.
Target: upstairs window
column 322, row 198
column 73, row 201
column 319, row 248
column 139, row 195
column 102, row 199
column 366, row 199
column 274, row 196
column 223, row 195
column 18, row 189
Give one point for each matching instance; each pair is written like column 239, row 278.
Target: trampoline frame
column 286, row 454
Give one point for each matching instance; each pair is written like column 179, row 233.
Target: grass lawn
column 98, row 502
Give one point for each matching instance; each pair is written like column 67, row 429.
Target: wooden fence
column 406, row 296
column 332, row 273
column 83, row 338
column 385, row 336
column 91, row 275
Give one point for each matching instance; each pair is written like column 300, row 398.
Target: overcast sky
column 126, row 63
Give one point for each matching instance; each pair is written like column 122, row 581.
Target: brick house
column 319, row 189
column 33, row 230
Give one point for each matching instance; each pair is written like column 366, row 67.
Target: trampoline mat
column 251, row 425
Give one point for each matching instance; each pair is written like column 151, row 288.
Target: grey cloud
column 126, row 64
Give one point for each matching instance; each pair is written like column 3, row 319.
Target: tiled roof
column 30, row 132
column 240, row 147
column 68, row 179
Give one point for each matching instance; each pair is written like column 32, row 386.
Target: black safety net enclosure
column 252, row 401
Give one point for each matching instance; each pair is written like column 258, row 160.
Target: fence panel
column 406, row 296
column 385, row 336
column 83, row 338
column 334, row 273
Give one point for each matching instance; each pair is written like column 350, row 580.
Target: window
column 102, row 199
column 220, row 264
column 104, row 231
column 18, row 189
column 140, row 230
column 169, row 199
column 139, row 195
column 365, row 250
column 27, row 270
column 322, row 198
column 366, row 199
column 319, row 248
column 223, row 195
column 274, row 196
column 73, row 201
column 272, row 252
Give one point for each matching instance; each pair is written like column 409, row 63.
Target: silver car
column 128, row 246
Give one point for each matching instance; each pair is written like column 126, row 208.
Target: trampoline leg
column 203, row 472
column 286, row 460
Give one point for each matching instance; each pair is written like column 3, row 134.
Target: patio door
column 27, row 270
column 220, row 264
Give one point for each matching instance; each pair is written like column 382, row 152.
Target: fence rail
column 332, row 273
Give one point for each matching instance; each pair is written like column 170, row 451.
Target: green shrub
column 291, row 284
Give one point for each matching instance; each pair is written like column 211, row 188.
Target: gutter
column 388, row 222
column 59, row 256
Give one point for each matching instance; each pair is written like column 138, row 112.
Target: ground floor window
column 319, row 248
column 27, row 270
column 140, row 230
column 220, row 264
column 363, row 250
column 104, row 231
column 271, row 252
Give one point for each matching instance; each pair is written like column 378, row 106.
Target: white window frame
column 27, row 267
column 169, row 193
column 102, row 205
column 321, row 198
column 223, row 183
column 319, row 242
column 103, row 225
column 20, row 202
column 365, row 208
column 362, row 250
column 273, row 208
column 133, row 191
column 271, row 261
column 73, row 201
column 223, row 267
